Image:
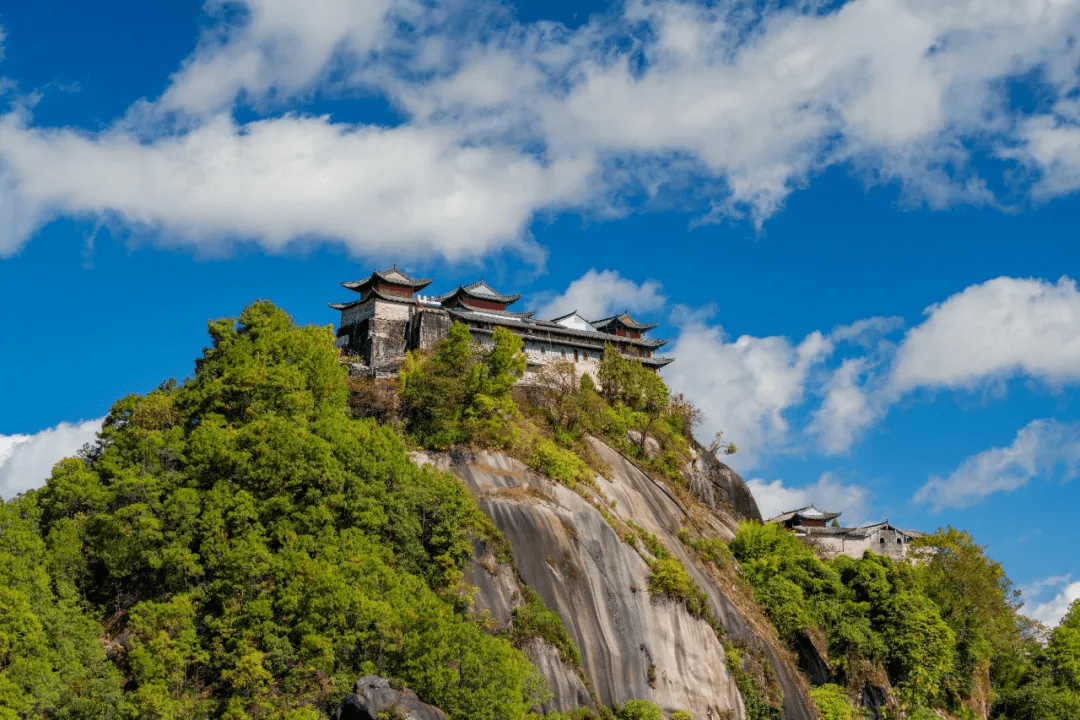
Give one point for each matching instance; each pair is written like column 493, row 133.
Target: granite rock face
column 372, row 695
column 634, row 645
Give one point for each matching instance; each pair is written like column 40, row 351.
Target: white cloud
column 730, row 102
column 409, row 191
column 1042, row 448
column 829, row 493
column 281, row 47
column 26, row 460
column 600, row 294
column 1052, row 611
column 1002, row 327
column 743, row 387
column 847, row 408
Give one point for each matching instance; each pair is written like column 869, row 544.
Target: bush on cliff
column 250, row 549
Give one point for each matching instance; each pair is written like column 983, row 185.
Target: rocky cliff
column 579, row 550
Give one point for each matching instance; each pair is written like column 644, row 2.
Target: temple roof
column 624, row 320
column 370, row 293
column 480, row 290
column 859, row 532
column 392, row 276
column 463, row 303
column 527, row 326
column 805, row 513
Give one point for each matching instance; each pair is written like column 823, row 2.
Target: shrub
column 638, row 710
column 533, row 619
column 669, row 578
column 832, row 702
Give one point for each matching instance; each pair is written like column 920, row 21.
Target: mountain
column 252, row 541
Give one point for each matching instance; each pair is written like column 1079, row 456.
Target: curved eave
column 528, row 314
column 360, row 285
column 623, row 320
column 462, row 290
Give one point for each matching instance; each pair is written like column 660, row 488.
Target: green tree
column 259, row 548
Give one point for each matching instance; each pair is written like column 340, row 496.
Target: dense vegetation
column 246, row 543
column 943, row 633
column 245, row 548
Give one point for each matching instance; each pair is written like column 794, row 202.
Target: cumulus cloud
column 1040, row 449
column 738, row 103
column 601, row 294
column 1002, row 327
column 745, row 386
column 988, row 332
column 26, row 460
column 1052, row 611
column 408, row 190
column 829, row 493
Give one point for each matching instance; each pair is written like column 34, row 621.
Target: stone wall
column 428, row 327
column 882, row 541
column 388, row 335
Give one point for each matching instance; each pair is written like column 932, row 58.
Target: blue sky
column 856, row 222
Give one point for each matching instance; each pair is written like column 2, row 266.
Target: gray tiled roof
column 809, row 512
column 623, row 319
column 481, row 291
column 595, row 337
column 391, row 275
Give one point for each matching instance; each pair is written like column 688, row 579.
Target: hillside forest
column 248, row 542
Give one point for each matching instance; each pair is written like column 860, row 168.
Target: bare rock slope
column 633, row 644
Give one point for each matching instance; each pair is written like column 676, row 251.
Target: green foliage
column 533, row 619
column 461, row 393
column 258, row 546
column 558, row 463
column 832, row 702
column 975, row 598
column 638, row 710
column 50, row 662
column 682, row 715
column 869, row 608
column 669, row 578
column 711, row 550
column 1063, row 650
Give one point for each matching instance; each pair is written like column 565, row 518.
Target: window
column 543, row 350
column 881, row 540
column 898, row 541
column 575, row 356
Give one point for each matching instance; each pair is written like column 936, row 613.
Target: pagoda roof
column 805, row 513
column 624, row 320
column 392, row 276
column 373, row 292
column 480, row 290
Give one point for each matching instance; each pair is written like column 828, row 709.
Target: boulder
column 372, row 695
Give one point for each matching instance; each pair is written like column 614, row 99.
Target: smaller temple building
column 813, row 527
column 391, row 317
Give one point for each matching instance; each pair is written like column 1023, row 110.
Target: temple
column 811, row 526
column 390, row 318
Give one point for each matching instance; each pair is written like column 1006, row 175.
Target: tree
column 257, row 545
column 460, row 393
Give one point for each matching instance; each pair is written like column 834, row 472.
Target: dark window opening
column 882, row 541
column 575, row 356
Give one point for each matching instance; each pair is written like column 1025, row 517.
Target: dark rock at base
column 813, row 659
column 874, row 700
column 372, row 695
